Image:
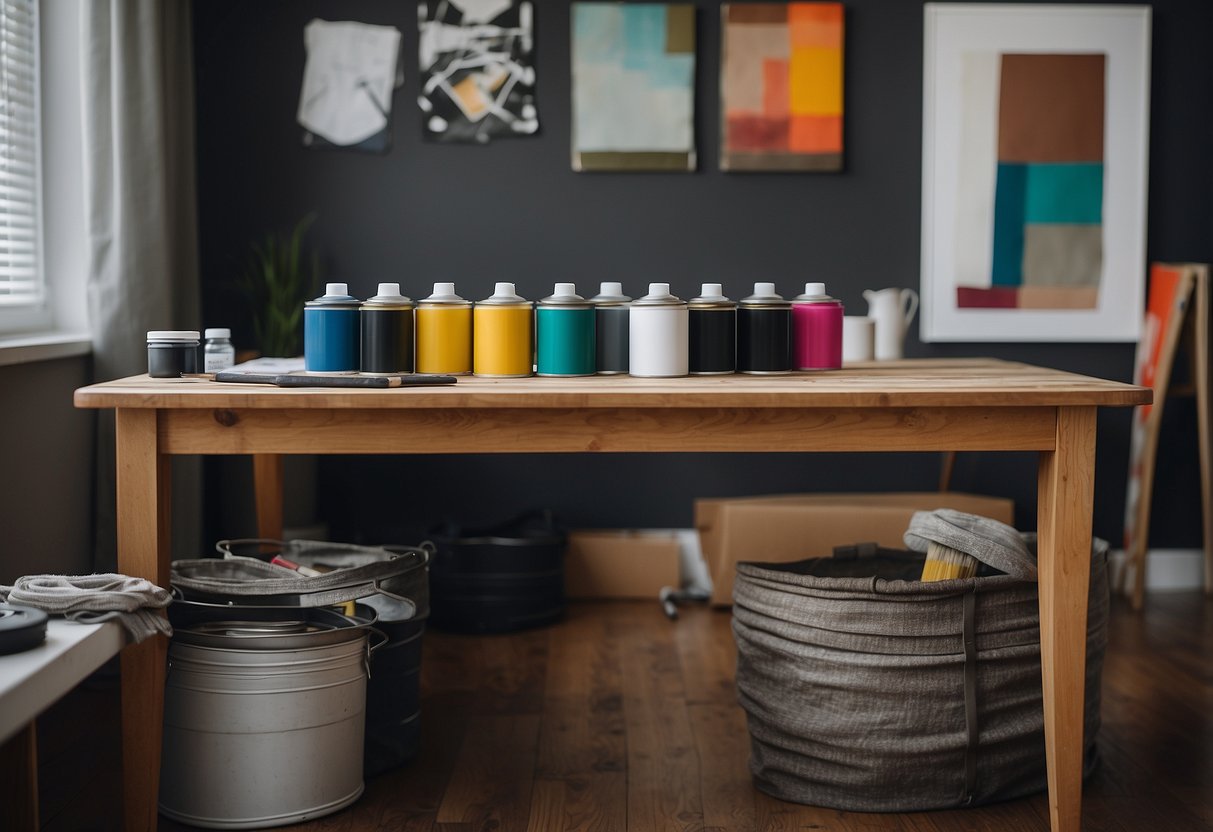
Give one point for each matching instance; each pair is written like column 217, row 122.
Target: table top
column 907, row 383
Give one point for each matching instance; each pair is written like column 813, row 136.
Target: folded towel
column 991, row 542
column 90, row 599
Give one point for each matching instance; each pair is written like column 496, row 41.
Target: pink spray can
column 816, row 329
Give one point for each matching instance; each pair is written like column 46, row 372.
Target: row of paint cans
column 655, row 336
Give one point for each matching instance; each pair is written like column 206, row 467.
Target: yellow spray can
column 502, row 343
column 444, row 333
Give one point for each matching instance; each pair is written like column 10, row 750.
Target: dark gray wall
column 46, row 446
column 515, row 211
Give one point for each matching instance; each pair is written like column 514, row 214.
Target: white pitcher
column 892, row 310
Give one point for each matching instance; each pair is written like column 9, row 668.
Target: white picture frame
column 952, row 31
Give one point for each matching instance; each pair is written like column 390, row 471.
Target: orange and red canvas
column 781, row 87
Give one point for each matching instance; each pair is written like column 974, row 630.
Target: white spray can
column 657, row 334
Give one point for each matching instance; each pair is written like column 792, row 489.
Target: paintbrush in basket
column 944, row 563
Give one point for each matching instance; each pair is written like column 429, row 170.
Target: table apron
column 555, row 430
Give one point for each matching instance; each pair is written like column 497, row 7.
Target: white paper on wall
column 351, row 71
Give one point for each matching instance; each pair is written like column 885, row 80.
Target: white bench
column 32, row 681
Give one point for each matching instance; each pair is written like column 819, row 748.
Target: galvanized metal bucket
column 263, row 716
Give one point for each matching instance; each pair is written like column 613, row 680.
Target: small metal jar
column 657, row 335
column 713, row 332
column 387, row 332
column 816, row 329
column 330, row 331
column 444, row 333
column 611, row 328
column 564, row 334
column 171, row 352
column 764, row 332
column 502, row 344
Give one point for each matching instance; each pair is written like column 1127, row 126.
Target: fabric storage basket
column 860, row 693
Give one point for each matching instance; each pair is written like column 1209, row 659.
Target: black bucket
column 393, row 693
column 498, row 579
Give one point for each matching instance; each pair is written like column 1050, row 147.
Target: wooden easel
column 1178, row 314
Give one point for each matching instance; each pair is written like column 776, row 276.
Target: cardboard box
column 621, row 564
column 797, row 526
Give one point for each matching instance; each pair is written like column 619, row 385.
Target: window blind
column 20, row 215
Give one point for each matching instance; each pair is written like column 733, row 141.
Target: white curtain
column 137, row 65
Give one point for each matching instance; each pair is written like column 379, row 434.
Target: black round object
column 21, row 628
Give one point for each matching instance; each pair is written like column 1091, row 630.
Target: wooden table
column 965, row 405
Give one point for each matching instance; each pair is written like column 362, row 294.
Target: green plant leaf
column 277, row 287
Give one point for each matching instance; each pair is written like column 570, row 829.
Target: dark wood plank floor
column 620, row 719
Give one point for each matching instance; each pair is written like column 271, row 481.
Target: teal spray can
column 564, row 334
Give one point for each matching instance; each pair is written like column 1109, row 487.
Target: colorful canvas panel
column 633, row 86
column 477, row 71
column 1048, row 180
column 1035, row 130
column 781, row 88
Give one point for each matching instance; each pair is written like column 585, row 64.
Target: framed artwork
column 633, row 87
column 1035, row 137
column 477, row 70
column 781, row 87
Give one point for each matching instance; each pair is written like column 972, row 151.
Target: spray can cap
column 764, row 295
column 565, row 294
column 711, row 295
column 335, row 294
column 389, row 296
column 503, row 294
column 610, row 293
column 814, row 293
column 444, row 293
column 659, row 295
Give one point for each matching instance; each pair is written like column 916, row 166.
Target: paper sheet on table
column 348, row 80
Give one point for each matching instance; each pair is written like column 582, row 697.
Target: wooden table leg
column 143, row 489
column 267, row 491
column 1066, row 487
column 19, row 780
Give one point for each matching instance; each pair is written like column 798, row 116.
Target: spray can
column 611, row 328
column 502, row 345
column 657, row 334
column 444, row 333
column 713, row 332
column 330, row 331
column 387, row 332
column 816, row 329
column 564, row 334
column 764, row 332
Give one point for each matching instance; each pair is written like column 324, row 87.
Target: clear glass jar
column 218, row 354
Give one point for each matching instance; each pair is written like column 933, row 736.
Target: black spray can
column 764, row 332
column 386, row 322
column 611, row 328
column 713, row 332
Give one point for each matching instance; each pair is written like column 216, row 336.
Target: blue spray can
column 330, row 331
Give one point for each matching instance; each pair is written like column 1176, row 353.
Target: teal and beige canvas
column 1032, row 140
column 633, row 86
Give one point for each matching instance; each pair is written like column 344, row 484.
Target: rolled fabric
column 991, row 542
